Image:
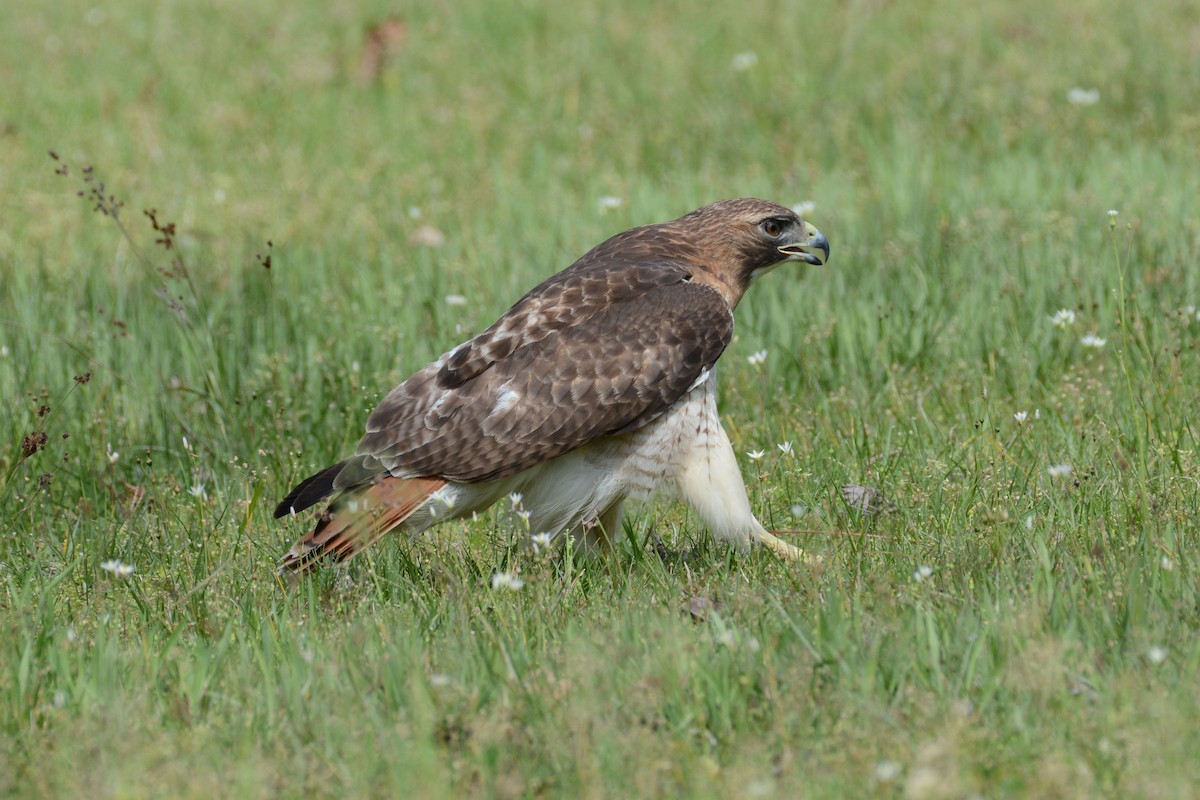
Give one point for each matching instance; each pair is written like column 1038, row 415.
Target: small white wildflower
column 197, row 490
column 1037, row 413
column 755, row 455
column 3, row 351
column 456, row 300
column 524, row 515
column 745, row 61
column 1020, row 416
column 60, row 698
column 1112, row 213
column 1063, row 318
column 923, row 573
column 1029, row 522
column 757, row 358
column 785, row 448
column 797, row 510
column 1166, row 563
column 803, row 209
column 1083, row 97
column 887, row 771
column 187, row 445
column 514, row 500
column 608, row 202
column 71, row 634
column 113, row 455
column 414, row 212
column 507, row 580
column 1092, row 340
column 1156, row 655
column 541, row 541
column 1059, row 470
column 439, row 681
column 117, row 568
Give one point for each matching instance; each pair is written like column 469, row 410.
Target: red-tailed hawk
column 598, row 386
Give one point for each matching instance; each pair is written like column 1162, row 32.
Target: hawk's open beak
column 812, row 249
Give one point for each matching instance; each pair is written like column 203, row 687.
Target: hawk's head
column 739, row 240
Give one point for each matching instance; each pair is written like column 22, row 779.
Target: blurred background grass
column 964, row 186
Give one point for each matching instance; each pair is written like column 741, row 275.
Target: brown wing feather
column 310, row 491
column 623, row 364
column 616, row 271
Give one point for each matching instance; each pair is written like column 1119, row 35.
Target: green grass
column 1051, row 652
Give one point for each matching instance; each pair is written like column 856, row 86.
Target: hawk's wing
column 582, row 356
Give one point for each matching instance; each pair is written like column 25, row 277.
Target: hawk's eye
column 772, row 227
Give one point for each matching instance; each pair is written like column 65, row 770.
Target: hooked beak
column 812, row 248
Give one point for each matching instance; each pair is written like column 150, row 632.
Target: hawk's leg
column 595, row 536
column 711, row 483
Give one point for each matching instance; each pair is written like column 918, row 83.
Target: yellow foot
column 786, row 551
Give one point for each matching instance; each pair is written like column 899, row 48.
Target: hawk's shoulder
column 564, row 301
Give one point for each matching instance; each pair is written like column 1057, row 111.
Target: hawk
column 597, row 387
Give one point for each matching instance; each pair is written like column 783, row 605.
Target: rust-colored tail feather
column 357, row 518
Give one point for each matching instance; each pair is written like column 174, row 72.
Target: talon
column 786, row 550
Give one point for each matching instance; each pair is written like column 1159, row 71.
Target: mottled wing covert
column 555, row 376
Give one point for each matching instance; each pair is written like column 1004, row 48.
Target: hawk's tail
column 358, row 517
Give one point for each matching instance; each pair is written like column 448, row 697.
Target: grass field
column 1021, row 621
